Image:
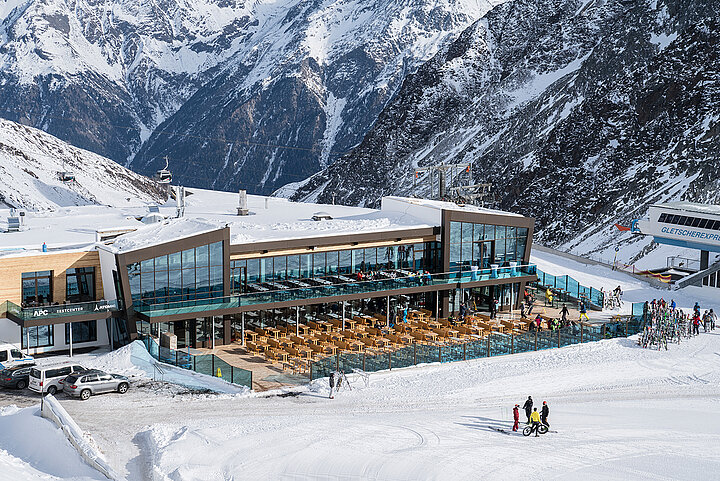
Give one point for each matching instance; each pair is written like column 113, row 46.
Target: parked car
column 46, row 379
column 10, row 356
column 17, row 376
column 84, row 384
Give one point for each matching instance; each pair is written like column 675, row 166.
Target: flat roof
column 691, row 207
column 270, row 219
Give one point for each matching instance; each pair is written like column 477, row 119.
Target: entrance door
column 487, row 253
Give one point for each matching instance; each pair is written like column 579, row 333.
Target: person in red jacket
column 516, row 416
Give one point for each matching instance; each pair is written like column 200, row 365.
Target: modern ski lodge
column 208, row 271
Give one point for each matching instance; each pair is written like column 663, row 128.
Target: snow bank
column 52, row 410
column 32, row 449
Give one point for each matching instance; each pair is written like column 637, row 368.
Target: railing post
column 414, row 353
column 439, row 353
column 488, row 345
column 627, row 333
column 390, row 361
column 602, row 331
column 581, row 332
column 464, row 351
column 232, row 374
column 337, row 361
column 363, row 360
column 512, row 342
column 212, row 363
column 536, row 333
column 194, row 364
column 558, row 337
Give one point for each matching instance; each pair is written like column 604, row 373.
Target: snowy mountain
column 237, row 93
column 31, row 162
column 580, row 113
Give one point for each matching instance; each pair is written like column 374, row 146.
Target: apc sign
column 70, row 309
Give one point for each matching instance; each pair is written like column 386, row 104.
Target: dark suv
column 16, row 376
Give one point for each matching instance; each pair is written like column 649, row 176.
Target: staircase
column 696, row 278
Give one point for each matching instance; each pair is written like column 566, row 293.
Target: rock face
column 31, row 163
column 580, row 113
column 251, row 94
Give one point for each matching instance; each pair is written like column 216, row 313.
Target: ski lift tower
column 442, row 171
column 474, row 194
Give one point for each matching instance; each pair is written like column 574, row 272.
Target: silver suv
column 84, row 384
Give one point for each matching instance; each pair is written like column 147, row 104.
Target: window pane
column 489, row 233
column 188, row 258
column 147, row 265
column 253, row 272
column 305, row 266
column 174, row 260
column 293, row 267
column 216, row 254
column 332, row 262
column 202, row 256
column 467, row 232
column 318, row 264
column 279, row 267
column 161, row 262
column 455, row 232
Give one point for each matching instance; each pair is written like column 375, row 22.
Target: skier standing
column 528, row 408
column 583, row 311
column 563, row 314
column 332, row 384
column 712, row 319
column 516, row 417
column 544, row 414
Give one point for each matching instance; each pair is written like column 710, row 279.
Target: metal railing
column 495, row 344
column 331, row 290
column 57, row 310
column 208, row 364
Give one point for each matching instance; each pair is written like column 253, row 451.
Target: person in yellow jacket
column 535, row 421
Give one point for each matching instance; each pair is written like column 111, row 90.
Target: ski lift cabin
column 164, row 176
column 67, row 176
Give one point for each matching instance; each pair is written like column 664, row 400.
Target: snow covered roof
column 270, row 219
column 691, row 207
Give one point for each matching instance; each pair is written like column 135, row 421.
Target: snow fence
column 52, row 410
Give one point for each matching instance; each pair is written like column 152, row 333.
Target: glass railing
column 571, row 287
column 494, row 344
column 332, row 290
column 208, row 364
column 58, row 310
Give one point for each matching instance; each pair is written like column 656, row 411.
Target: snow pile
column 31, row 448
column 173, row 229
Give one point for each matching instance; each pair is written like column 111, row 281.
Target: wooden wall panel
column 11, row 269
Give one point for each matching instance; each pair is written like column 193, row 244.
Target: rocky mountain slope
column 31, row 162
column 251, row 93
column 580, row 113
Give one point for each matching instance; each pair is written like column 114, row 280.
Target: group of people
column 659, row 310
column 534, row 418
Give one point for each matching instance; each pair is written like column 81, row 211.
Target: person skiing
column 696, row 324
column 544, row 414
column 673, row 306
column 516, row 417
column 535, row 419
column 331, row 379
column 528, row 408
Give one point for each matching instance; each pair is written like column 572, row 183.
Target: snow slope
column 30, row 163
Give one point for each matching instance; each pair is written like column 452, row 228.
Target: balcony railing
column 330, row 290
column 57, row 311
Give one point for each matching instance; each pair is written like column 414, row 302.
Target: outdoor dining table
column 325, row 325
column 304, row 351
column 351, row 323
column 252, row 335
column 432, row 335
column 274, row 332
column 434, row 324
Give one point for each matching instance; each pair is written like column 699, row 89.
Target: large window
column 37, row 288
column 421, row 256
column 82, row 332
column 80, row 284
column 195, row 273
column 698, row 222
column 483, row 245
column 38, row 336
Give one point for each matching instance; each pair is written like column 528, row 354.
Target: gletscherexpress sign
column 694, row 234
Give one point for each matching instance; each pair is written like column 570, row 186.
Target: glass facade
column 80, row 284
column 37, row 288
column 195, row 273
column 420, row 256
column 38, row 336
column 482, row 245
column 82, row 332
